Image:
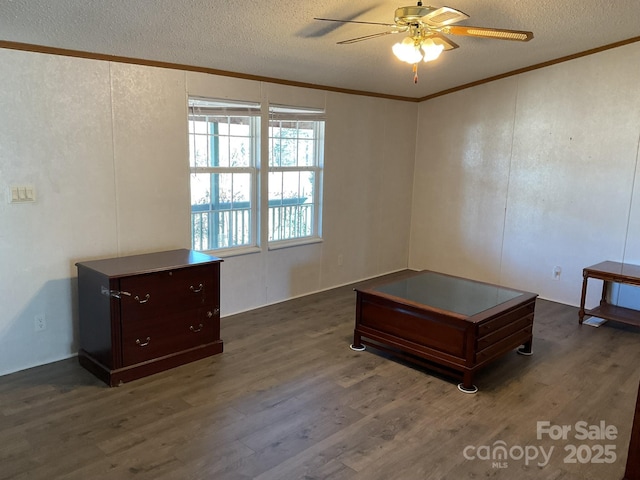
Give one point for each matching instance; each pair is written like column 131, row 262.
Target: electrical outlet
column 340, row 260
column 40, row 322
column 557, row 271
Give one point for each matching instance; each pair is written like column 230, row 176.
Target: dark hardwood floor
column 288, row 399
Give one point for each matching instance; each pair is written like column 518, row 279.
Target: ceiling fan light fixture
column 431, row 50
column 426, row 27
column 407, row 51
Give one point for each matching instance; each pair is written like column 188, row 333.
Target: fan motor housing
column 411, row 15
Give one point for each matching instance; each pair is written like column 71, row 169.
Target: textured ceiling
column 279, row 38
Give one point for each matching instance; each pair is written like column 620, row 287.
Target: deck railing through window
column 220, row 229
column 290, row 221
column 230, row 225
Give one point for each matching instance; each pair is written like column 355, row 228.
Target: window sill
column 294, row 243
column 233, row 252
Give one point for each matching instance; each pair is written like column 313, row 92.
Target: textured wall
column 105, row 146
column 55, row 133
column 531, row 172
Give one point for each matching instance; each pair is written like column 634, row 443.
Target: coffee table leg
column 526, row 349
column 357, row 343
column 467, row 385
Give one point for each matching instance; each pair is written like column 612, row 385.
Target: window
column 224, row 139
column 296, row 153
column 228, row 210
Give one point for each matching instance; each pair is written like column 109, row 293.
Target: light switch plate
column 22, row 194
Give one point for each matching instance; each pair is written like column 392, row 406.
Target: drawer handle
column 197, row 289
column 195, row 330
column 113, row 293
column 211, row 314
column 146, row 298
column 146, row 342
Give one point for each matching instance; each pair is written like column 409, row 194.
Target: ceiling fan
column 426, row 26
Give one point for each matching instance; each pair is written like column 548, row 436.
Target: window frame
column 206, row 107
column 278, row 112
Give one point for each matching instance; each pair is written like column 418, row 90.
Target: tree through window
column 296, row 154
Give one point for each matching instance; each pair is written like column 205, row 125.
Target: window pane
column 274, row 128
column 307, row 186
column 275, row 188
column 200, row 210
column 284, row 139
column 200, row 189
column 220, row 142
column 289, row 147
column 222, row 136
column 220, row 210
column 201, row 144
column 306, row 129
column 220, row 151
column 291, row 186
column 198, row 143
column 240, row 151
column 199, row 126
column 240, row 188
column 295, row 150
column 291, row 205
column 274, row 152
column 221, row 122
column 305, row 153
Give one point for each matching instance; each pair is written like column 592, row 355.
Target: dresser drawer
column 160, row 336
column 153, row 294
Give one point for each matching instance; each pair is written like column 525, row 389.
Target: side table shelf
column 610, row 272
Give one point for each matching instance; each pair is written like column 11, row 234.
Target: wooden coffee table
column 448, row 324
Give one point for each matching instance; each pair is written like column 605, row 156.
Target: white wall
column 530, row 172
column 105, row 146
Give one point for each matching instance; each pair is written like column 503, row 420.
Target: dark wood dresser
column 143, row 314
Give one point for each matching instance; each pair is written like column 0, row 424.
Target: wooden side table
column 610, row 272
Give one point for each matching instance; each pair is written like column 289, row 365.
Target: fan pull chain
column 415, row 73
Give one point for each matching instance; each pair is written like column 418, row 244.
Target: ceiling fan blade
column 368, row 37
column 439, row 39
column 497, row 33
column 444, row 16
column 355, row 21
